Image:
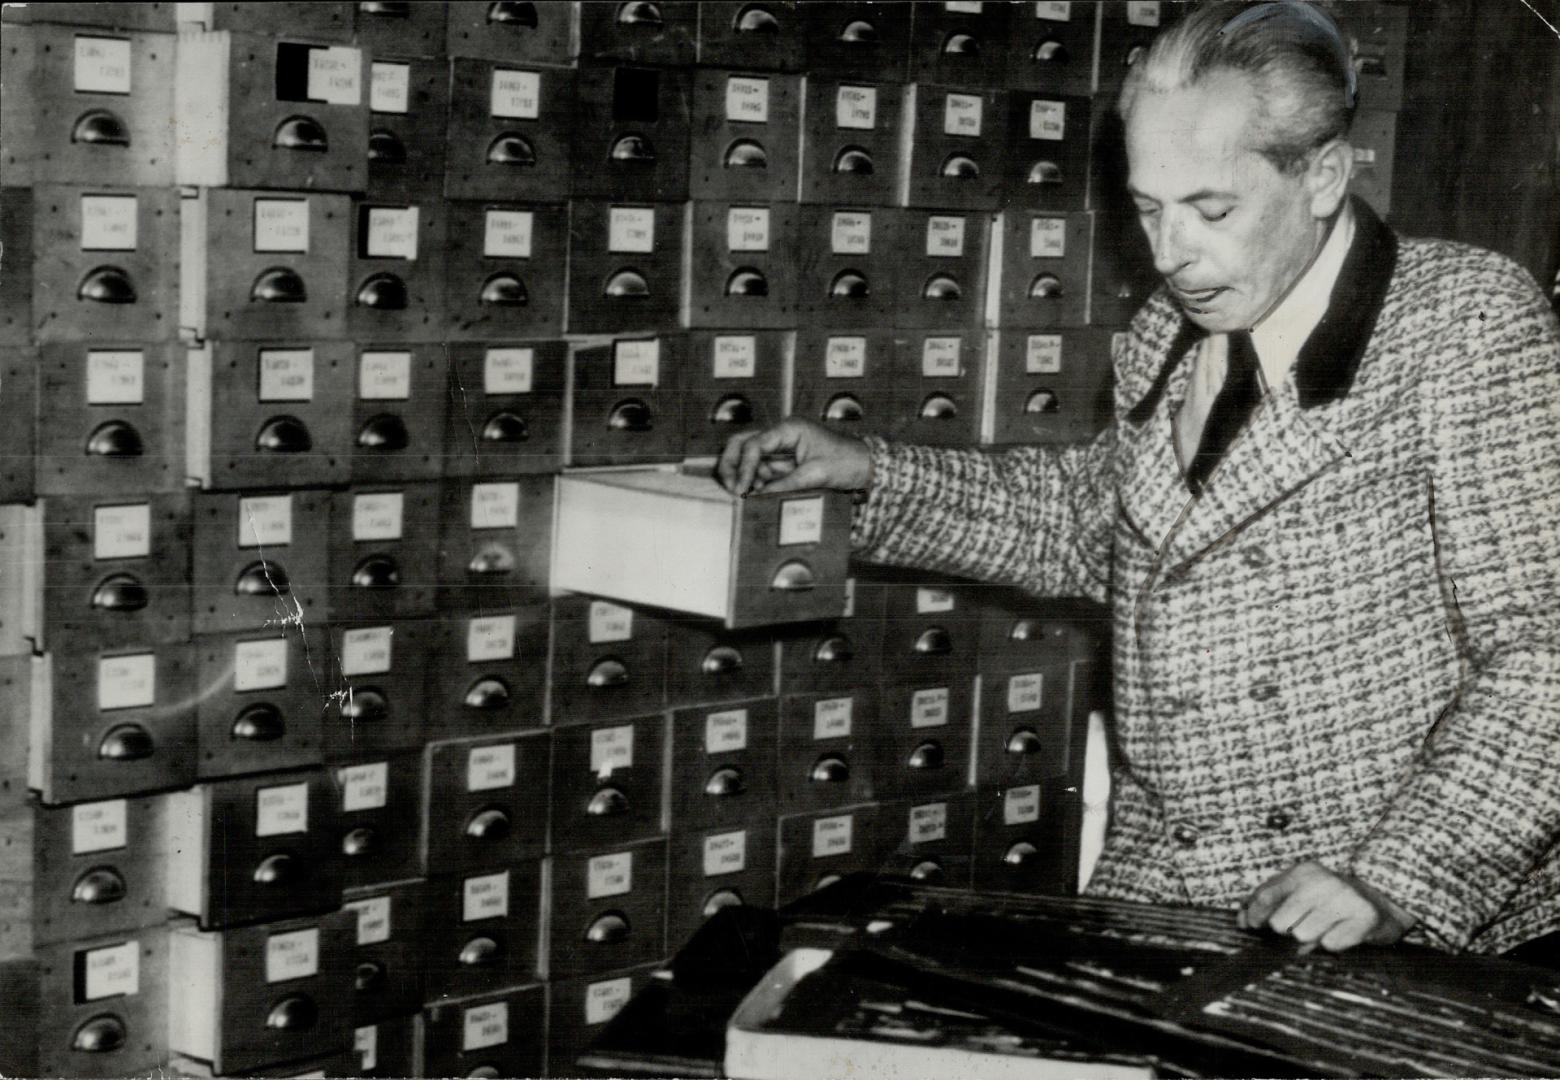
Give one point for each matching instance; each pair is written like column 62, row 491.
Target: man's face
column 1229, row 232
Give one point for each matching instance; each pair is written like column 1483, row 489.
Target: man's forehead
column 1195, row 139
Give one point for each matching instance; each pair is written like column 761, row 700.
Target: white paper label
column 373, row 919
column 389, row 88
column 392, row 232
column 108, row 223
column 1141, row 13
column 260, row 665
column 609, row 623
column 611, row 749
column 484, row 1026
column 485, row 897
column 725, row 853
column 122, row 532
column 933, row 601
column 508, row 371
column 630, row 229
column 116, row 377
column 945, row 237
column 609, row 875
column 490, row 767
column 850, row 597
column 286, row 374
column 1047, row 120
column 1364, row 155
column 747, row 228
column 490, row 638
column 336, row 75
column 845, row 358
column 99, row 826
column 725, row 732
column 1054, row 10
column 832, row 717
column 961, row 114
column 264, row 521
column 636, row 363
column 282, row 225
column 734, row 357
column 1043, row 354
column 507, row 234
column 855, row 108
column 831, row 836
column 495, row 506
column 851, row 233
column 112, row 972
column 964, row 7
column 365, row 1040
column 1021, row 805
column 747, row 100
column 940, row 358
column 377, row 515
column 1047, row 238
column 366, row 651
column 294, row 955
column 517, row 95
column 929, row 708
column 127, row 682
column 385, row 376
column 801, row 521
column 928, row 822
column 364, row 787
column 604, row 1000
column 282, row 810
column 102, row 65
column 1023, row 692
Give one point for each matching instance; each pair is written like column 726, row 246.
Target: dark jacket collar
column 1330, row 358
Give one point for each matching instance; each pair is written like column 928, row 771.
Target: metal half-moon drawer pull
column 794, row 576
column 854, row 161
column 929, row 871
column 513, row 13
column 386, row 147
column 376, row 572
column 634, row 150
column 942, row 287
column 927, row 756
column 278, row 285
column 756, row 19
column 746, row 281
column 608, row 802
column 100, row 1035
column 100, row 885
column 1021, row 854
column 960, row 167
column 487, row 694
column 480, row 952
column 260, row 722
column 116, row 439
column 607, row 930
column 120, row 592
column 641, row 13
column 293, row 1013
column 732, row 409
column 607, row 674
column 1024, row 742
column 843, row 409
column 280, row 870
column 721, row 660
column 504, row 290
column 284, row 435
column 627, row 285
column 360, row 843
column 506, row 427
column 725, row 783
column 830, row 770
column 511, row 148
column 488, row 824
column 99, row 127
column 934, row 641
column 301, row 133
column 107, row 285
column 746, row 154
column 721, row 898
column 383, row 292
column 384, row 432
column 127, row 742
column 850, row 285
column 262, row 579
column 365, row 705
column 961, row 45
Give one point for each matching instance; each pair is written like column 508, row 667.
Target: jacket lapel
column 1153, row 495
column 1296, row 432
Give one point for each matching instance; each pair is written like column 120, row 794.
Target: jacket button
column 1277, row 820
column 1185, row 834
column 1255, row 557
column 1264, row 691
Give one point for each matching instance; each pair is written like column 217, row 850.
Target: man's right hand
column 792, row 455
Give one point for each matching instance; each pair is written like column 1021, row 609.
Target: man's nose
column 1169, row 244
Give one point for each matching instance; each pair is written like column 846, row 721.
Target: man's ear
column 1327, row 177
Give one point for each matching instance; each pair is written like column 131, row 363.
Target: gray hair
column 1293, row 53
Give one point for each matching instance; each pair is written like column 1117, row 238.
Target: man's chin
column 1215, row 322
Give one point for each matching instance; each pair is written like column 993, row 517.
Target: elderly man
column 1327, row 516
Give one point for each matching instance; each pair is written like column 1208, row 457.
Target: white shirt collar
column 1279, row 336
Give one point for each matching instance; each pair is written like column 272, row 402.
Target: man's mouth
column 1197, row 297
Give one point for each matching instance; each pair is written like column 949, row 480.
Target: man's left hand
column 1316, row 906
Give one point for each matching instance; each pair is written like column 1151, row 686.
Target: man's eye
column 1147, row 211
column 1215, row 215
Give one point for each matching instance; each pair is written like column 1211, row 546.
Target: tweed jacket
column 1348, row 648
